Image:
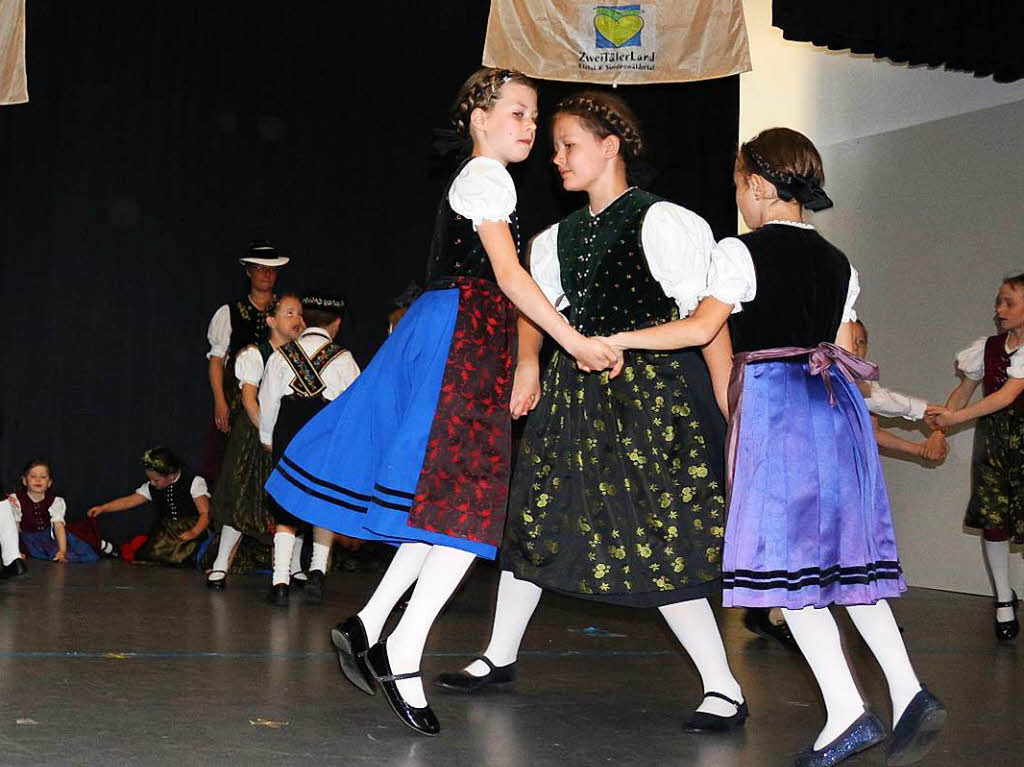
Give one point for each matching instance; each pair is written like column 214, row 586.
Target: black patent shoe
column 701, row 721
column 1008, row 629
column 758, row 621
column 423, row 719
column 316, row 582
column 217, row 584
column 349, row 639
column 15, row 568
column 865, row 732
column 914, row 734
column 463, row 681
column 278, row 595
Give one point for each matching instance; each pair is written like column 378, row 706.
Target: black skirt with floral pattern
column 617, row 493
column 997, row 475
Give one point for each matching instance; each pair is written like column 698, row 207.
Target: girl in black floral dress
column 617, row 493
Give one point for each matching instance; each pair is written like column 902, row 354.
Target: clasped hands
column 940, row 416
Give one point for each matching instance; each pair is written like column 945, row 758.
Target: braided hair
column 480, row 91
column 605, row 114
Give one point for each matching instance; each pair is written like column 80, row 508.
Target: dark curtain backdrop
column 162, row 137
column 983, row 38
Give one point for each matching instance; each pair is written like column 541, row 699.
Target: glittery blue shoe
column 865, row 732
column 915, row 732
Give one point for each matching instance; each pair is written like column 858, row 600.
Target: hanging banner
column 650, row 41
column 13, row 83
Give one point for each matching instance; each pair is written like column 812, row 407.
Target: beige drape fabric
column 13, row 83
column 645, row 41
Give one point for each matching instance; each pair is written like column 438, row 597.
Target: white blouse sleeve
column 731, row 276
column 15, row 507
column 272, row 389
column 483, row 191
column 545, row 269
column 339, row 375
column 249, row 366
column 198, row 487
column 893, row 404
column 58, row 510
column 143, row 490
column 971, row 361
column 849, row 313
column 219, row 333
column 677, row 244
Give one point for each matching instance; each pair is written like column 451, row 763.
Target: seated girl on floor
column 39, row 513
column 182, row 503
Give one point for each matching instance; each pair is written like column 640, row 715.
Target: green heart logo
column 617, row 28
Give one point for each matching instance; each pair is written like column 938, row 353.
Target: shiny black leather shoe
column 914, row 734
column 298, row 583
column 701, row 721
column 865, row 732
column 217, row 584
column 462, row 681
column 278, row 595
column 316, row 582
column 423, row 719
column 349, row 639
column 758, row 621
column 15, row 568
column 1005, row 629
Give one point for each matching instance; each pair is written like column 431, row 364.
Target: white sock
column 876, row 624
column 229, row 538
column 106, row 547
column 319, row 560
column 283, row 544
column 295, row 566
column 9, row 550
column 694, row 625
column 517, row 601
column 997, row 554
column 817, row 635
column 442, row 572
column 401, row 574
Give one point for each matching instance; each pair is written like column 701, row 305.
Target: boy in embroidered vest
column 300, row 378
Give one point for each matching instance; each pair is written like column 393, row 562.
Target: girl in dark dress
column 416, row 451
column 997, row 469
column 618, row 493
column 809, row 520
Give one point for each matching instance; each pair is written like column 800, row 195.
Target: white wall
column 927, row 171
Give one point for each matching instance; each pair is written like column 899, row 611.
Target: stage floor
column 113, row 664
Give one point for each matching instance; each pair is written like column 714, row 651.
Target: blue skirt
column 42, row 545
column 357, row 466
column 809, row 519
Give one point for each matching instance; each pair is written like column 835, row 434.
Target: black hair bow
column 448, row 141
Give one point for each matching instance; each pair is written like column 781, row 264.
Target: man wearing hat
column 300, row 378
column 233, row 327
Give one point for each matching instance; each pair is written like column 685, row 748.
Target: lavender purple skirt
column 809, row 521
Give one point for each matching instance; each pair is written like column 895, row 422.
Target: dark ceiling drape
column 979, row 37
column 161, row 137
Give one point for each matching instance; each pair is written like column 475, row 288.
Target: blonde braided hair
column 605, row 114
column 480, row 91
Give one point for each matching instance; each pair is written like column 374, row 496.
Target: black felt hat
column 324, row 302
column 262, row 253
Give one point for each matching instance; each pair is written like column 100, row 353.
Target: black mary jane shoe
column 757, row 620
column 278, row 595
column 349, row 640
column 865, row 732
column 914, row 734
column 316, row 582
column 463, row 681
column 217, row 584
column 422, row 719
column 701, row 721
column 15, row 568
column 1006, row 630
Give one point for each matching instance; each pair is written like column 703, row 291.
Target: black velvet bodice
column 175, row 501
column 802, row 281
column 456, row 250
column 604, row 270
column 248, row 326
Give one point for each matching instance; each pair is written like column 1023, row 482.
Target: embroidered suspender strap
column 323, row 356
column 820, row 359
column 307, row 381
